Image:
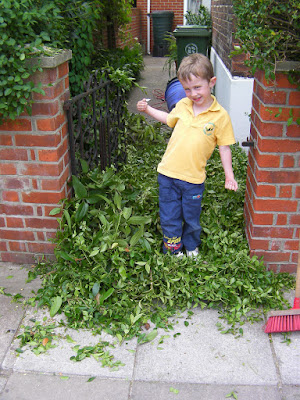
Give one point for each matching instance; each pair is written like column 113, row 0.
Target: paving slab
column 13, row 278
column 57, row 360
column 22, row 386
column 192, row 391
column 288, row 356
column 291, row 392
column 11, row 314
column 201, row 354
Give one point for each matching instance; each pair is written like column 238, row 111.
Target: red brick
column 51, row 92
column 293, row 131
column 271, row 95
column 258, row 244
column 10, row 196
column 13, row 154
column 16, row 125
column 42, row 169
column 63, row 70
column 262, row 219
column 278, row 176
column 5, row 140
column 265, row 191
column 291, row 245
column 9, row 209
column 15, row 183
column 2, row 222
column 14, row 222
column 48, row 108
column 270, row 129
column 286, row 191
column 294, row 99
column 278, row 145
column 7, row 169
column 16, row 235
column 41, row 236
column 18, row 258
column 41, row 223
column 47, row 76
column 17, row 246
column 289, row 161
column 272, row 232
column 3, row 247
column 267, row 160
column 275, row 205
column 281, row 219
column 51, row 140
column 32, row 155
column 295, row 219
column 269, row 113
column 43, row 248
column 289, row 268
column 42, row 197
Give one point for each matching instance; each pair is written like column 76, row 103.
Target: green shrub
column 268, row 31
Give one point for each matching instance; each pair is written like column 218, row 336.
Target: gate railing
column 96, row 125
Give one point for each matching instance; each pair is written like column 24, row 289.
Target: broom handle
column 297, row 292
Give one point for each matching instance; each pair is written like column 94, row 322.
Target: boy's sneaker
column 193, row 253
column 179, row 254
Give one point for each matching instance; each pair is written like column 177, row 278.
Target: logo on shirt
column 209, row 128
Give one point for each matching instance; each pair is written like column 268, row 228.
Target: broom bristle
column 283, row 323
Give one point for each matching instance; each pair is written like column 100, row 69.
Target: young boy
column 200, row 124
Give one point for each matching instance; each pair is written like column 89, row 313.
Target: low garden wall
column 272, row 203
column 34, row 167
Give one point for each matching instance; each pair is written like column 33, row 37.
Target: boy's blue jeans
column 180, row 209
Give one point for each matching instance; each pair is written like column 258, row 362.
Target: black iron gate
column 96, row 125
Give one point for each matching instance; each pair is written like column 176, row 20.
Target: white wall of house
column 235, row 95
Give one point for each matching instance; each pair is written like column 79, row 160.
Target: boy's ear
column 212, row 82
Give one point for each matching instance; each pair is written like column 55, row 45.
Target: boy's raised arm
column 159, row 115
column 225, row 154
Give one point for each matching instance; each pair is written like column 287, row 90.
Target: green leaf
column 56, row 303
column 138, row 220
column 79, row 188
column 127, row 212
column 81, row 211
column 137, row 236
column 96, row 288
column 55, row 211
column 151, row 336
column 84, row 166
column 91, row 379
column 68, row 218
column 106, row 295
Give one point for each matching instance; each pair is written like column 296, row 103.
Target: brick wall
column 223, row 40
column 272, row 203
column 34, row 168
column 158, row 5
column 128, row 35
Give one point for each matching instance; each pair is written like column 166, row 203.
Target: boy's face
column 199, row 90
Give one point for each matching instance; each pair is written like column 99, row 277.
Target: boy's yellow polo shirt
column 194, row 139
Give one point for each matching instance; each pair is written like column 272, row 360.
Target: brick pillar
column 34, row 167
column 272, row 205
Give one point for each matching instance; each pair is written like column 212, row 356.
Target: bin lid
column 161, row 13
column 192, row 30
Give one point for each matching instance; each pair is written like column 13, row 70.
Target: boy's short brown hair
column 195, row 64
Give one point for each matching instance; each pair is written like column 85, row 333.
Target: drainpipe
column 148, row 25
column 185, row 9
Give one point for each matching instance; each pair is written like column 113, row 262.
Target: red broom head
column 283, row 323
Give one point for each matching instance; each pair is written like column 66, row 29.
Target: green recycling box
column 191, row 39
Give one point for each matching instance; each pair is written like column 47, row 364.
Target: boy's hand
column 142, row 105
column 231, row 184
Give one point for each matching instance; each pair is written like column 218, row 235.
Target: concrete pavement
column 194, row 362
